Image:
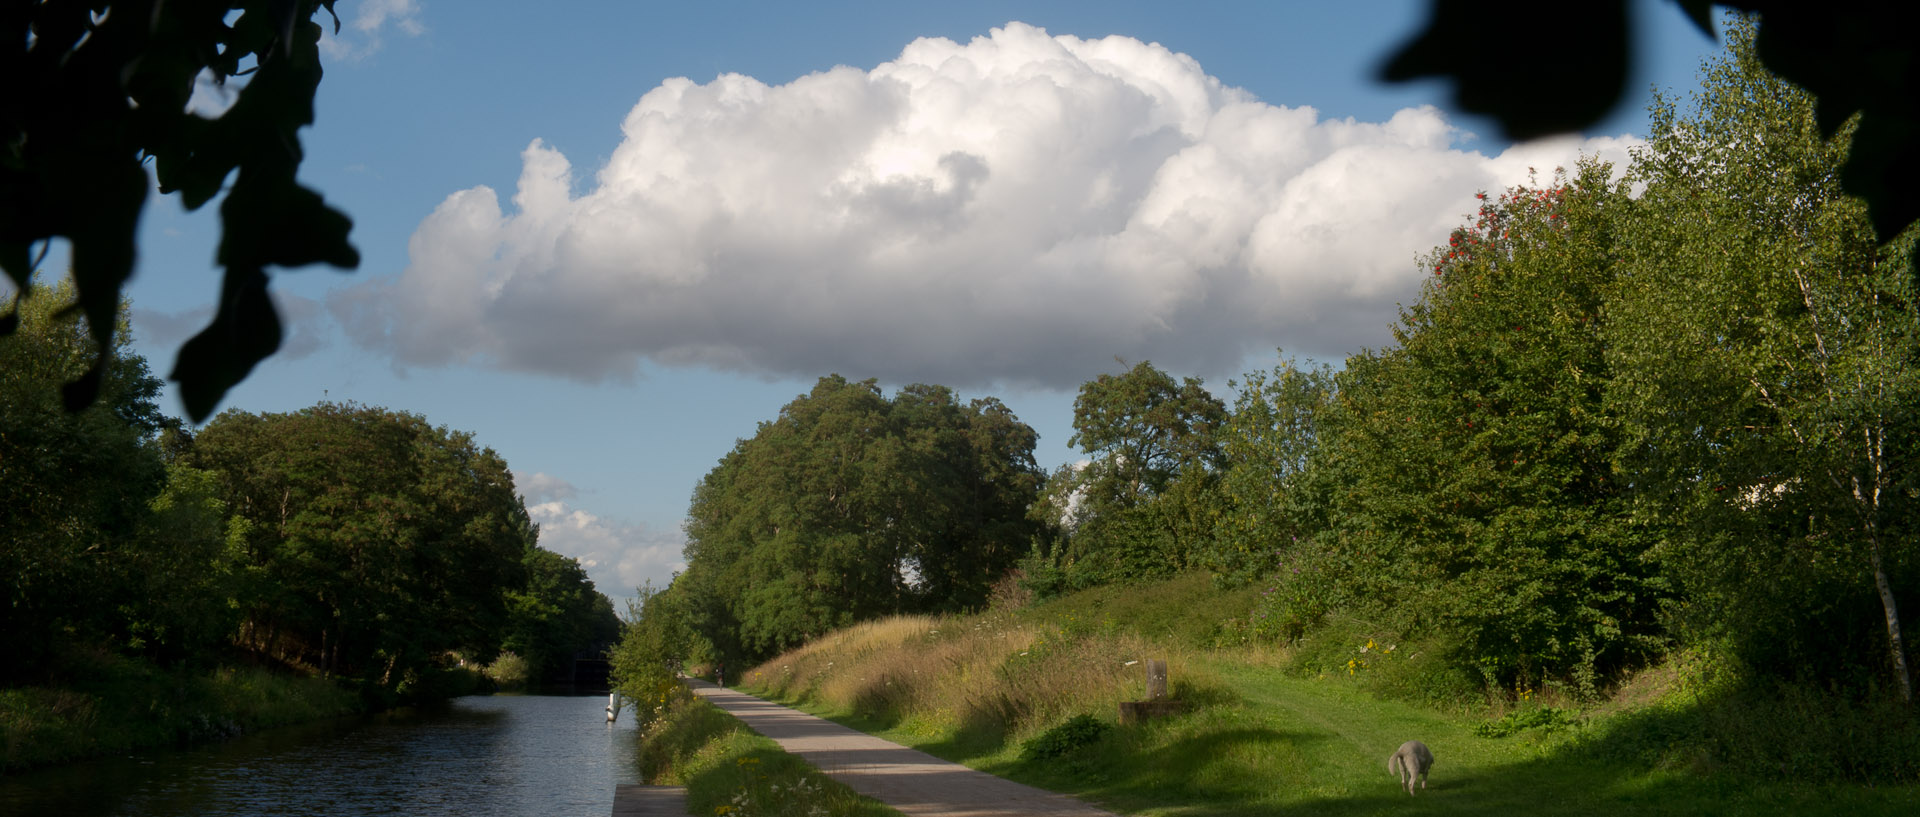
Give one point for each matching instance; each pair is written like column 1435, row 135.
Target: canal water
column 500, row 756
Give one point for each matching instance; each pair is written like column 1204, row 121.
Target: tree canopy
column 375, row 541
column 850, row 505
column 74, row 486
column 1766, row 344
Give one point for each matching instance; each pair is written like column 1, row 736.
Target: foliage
column 1147, row 499
column 1472, row 463
column 1844, row 54
column 371, row 543
column 509, row 670
column 557, row 616
column 97, row 89
column 1769, row 731
column 74, row 486
column 105, row 703
column 1071, row 734
column 1146, row 428
column 181, row 587
column 850, row 505
column 1268, row 445
column 1540, row 719
column 656, row 640
column 1766, row 344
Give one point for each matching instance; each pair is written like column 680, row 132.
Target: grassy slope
column 1262, row 741
column 114, row 704
column 729, row 770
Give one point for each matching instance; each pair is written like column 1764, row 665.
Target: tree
column 74, row 486
column 1846, row 54
column 373, row 542
column 1474, row 492
column 849, row 506
column 657, row 638
column 1769, row 345
column 1268, row 447
column 96, row 89
column 1146, row 500
column 557, row 615
column 1147, row 428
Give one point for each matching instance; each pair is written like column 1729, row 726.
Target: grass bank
column 110, row 704
column 729, row 771
column 1032, row 695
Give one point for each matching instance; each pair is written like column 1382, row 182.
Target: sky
column 610, row 238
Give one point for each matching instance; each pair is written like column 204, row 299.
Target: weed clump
column 1077, row 731
column 1546, row 719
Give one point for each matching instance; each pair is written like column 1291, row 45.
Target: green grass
column 1272, row 734
column 115, row 704
column 729, row 771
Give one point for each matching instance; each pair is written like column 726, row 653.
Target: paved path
column 649, row 801
column 914, row 782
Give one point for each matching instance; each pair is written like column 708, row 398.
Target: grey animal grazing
column 1411, row 760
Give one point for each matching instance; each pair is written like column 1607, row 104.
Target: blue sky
column 608, row 274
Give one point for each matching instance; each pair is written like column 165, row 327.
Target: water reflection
column 500, row 755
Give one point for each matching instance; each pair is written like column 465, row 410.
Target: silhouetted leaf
column 1854, row 61
column 96, row 88
column 1503, row 65
column 1848, row 54
column 245, row 331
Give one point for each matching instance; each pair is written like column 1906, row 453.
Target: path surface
column 914, row 782
column 649, row 801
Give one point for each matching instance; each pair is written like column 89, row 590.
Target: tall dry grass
column 984, row 679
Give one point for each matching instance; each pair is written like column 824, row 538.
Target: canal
column 504, row 755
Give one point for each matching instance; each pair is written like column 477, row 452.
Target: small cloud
column 619, row 556
column 303, row 320
column 539, row 487
column 363, row 32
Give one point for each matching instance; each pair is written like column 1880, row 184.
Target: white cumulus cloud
column 1019, row 209
column 618, row 556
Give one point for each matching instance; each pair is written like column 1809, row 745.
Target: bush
column 1546, row 719
column 118, row 704
column 1381, row 660
column 1772, row 730
column 1077, row 731
column 510, row 671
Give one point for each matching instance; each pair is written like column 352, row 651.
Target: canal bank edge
column 116, row 704
column 727, row 768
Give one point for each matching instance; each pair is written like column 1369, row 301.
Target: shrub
column 510, row 671
column 1077, row 731
column 1544, row 719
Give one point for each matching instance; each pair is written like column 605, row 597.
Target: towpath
column 913, row 782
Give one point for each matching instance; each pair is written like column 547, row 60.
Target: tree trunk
column 1892, row 609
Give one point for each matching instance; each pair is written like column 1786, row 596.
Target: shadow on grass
column 980, row 734
column 1243, row 772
